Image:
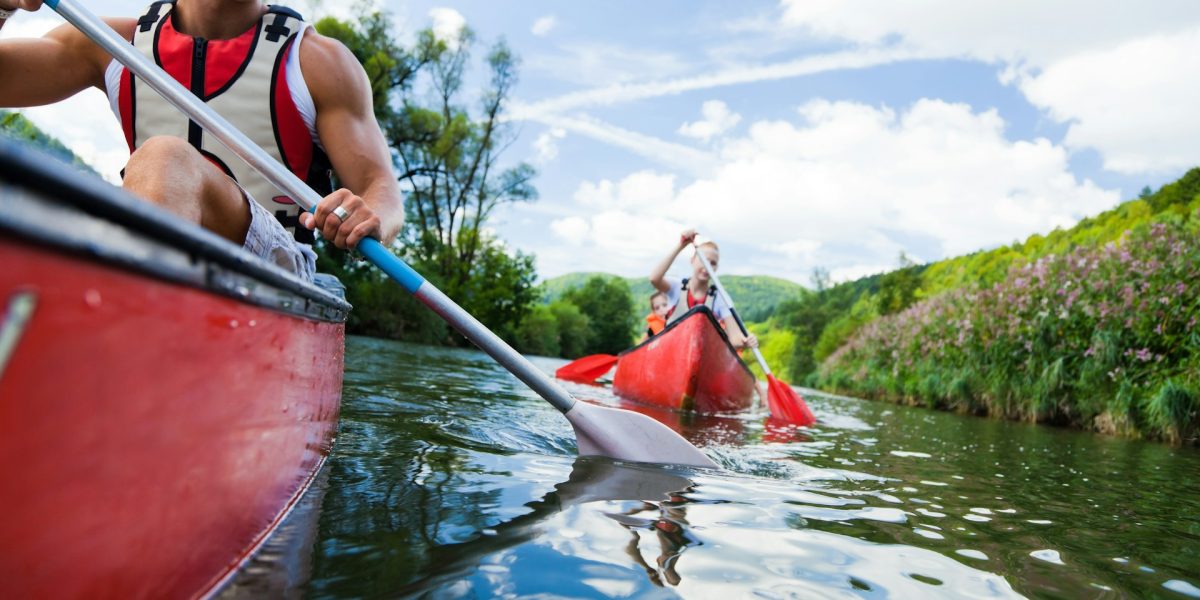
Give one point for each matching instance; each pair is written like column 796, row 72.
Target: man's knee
column 161, row 155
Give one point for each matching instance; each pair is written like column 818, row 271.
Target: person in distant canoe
column 301, row 96
column 656, row 321
column 693, row 291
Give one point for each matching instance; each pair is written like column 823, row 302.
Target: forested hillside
column 755, row 296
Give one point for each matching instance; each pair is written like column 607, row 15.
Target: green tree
column 556, row 329
column 898, row 289
column 447, row 157
column 574, row 329
column 608, row 305
column 538, row 333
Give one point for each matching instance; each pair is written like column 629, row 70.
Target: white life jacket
column 244, row 80
column 684, row 303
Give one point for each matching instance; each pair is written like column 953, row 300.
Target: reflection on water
column 450, row 479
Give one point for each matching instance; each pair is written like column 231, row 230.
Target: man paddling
column 300, row 96
column 697, row 290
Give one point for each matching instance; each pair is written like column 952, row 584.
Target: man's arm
column 38, row 71
column 351, row 136
column 658, row 275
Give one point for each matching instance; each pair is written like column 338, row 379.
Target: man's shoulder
column 330, row 69
column 319, row 51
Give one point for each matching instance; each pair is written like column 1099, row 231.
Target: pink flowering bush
column 1104, row 337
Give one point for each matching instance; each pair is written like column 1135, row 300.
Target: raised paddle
column 599, row 430
column 783, row 402
column 587, row 369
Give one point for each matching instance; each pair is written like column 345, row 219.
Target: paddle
column 598, row 430
column 587, row 369
column 783, row 402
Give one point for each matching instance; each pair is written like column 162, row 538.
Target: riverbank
column 1105, row 339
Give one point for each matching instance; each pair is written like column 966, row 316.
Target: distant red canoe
column 690, row 365
column 165, row 398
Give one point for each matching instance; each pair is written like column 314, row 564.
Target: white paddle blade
column 626, row 435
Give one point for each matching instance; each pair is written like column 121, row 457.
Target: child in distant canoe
column 699, row 289
column 656, row 321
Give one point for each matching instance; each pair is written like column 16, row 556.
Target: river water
column 451, row 479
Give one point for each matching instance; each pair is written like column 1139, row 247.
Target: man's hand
column 29, row 5
column 344, row 219
column 750, row 341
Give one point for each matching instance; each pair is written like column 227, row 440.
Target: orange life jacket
column 655, row 324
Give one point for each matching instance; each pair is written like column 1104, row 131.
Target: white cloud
column 544, row 25
column 592, row 64
column 1136, row 103
column 627, row 92
column 546, row 145
column 845, row 186
column 1019, row 31
column 1114, row 74
column 797, row 249
column 684, row 158
column 717, row 120
column 1057, row 53
column 448, row 25
column 572, row 230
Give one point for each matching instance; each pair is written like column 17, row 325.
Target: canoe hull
column 165, row 399
column 689, row 366
column 152, row 433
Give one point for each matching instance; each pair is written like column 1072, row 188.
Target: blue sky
column 806, row 133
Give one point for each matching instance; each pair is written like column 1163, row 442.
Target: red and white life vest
column 686, row 303
column 243, row 79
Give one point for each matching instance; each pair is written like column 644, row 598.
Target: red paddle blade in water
column 785, row 404
column 586, row 369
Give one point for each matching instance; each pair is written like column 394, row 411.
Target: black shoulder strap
column 320, row 172
column 146, row 22
column 278, row 27
column 276, row 9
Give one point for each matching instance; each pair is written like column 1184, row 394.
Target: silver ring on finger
column 341, row 213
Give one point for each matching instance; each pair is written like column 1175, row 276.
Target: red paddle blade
column 586, row 369
column 785, row 404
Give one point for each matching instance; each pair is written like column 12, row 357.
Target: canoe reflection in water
column 662, row 495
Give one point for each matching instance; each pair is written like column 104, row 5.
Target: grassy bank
column 1100, row 337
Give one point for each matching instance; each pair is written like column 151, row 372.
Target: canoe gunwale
column 691, row 313
column 52, row 204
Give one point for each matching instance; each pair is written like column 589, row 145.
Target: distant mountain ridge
column 754, row 295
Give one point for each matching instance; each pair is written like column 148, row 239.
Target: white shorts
column 267, row 239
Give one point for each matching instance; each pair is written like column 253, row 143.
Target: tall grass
column 1105, row 338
